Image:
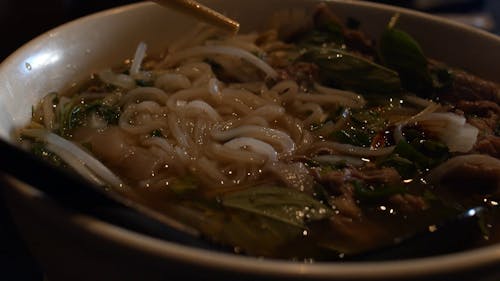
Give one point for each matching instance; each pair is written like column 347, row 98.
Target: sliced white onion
column 418, row 101
column 213, row 88
column 140, row 53
column 398, row 133
column 452, row 129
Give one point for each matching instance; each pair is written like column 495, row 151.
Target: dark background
column 22, row 20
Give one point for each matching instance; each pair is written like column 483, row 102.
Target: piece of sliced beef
column 468, row 87
column 303, row 72
column 386, row 175
column 408, row 203
column 482, row 114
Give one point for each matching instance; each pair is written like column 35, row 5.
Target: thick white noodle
column 161, row 143
column 358, row 99
column 144, row 93
column 117, row 79
column 262, row 133
column 170, row 82
column 221, row 50
column 254, row 145
column 225, row 153
column 185, row 95
column 203, row 107
column 269, row 112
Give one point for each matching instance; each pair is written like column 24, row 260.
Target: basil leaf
column 399, row 51
column 408, row 158
column 405, row 167
column 352, row 136
column 283, row 204
column 342, row 69
column 362, row 127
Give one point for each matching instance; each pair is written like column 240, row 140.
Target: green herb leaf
column 345, row 70
column 399, row 51
column 375, row 193
column 283, row 204
column 38, row 149
column 409, row 158
column 362, row 127
column 405, row 167
column 75, row 114
column 352, row 136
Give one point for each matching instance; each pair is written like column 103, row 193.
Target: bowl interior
column 61, row 57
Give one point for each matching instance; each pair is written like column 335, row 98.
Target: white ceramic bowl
column 72, row 246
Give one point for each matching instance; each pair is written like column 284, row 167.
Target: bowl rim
column 470, row 259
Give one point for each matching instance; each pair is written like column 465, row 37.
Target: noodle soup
column 313, row 144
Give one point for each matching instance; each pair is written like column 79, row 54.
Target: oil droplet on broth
column 28, row 66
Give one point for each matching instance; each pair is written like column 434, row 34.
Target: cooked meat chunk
column 354, row 39
column 474, row 173
column 382, row 176
column 480, row 107
column 489, row 145
column 408, row 203
column 471, row 88
column 482, row 114
column 357, row 40
column 302, row 72
column 346, row 203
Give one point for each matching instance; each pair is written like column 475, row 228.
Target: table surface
column 21, row 21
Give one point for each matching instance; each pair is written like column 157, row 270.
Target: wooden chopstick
column 202, row 12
